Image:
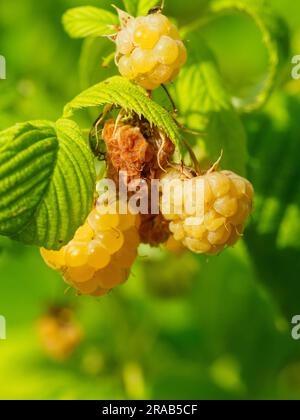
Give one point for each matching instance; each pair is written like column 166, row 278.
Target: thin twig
column 188, row 130
column 175, row 110
column 193, row 156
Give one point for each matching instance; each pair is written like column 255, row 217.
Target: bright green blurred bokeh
column 192, row 328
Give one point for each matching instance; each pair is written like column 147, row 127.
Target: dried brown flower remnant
column 142, row 152
column 131, row 150
column 127, row 149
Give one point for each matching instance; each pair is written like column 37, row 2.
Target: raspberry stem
column 193, row 157
column 94, row 131
column 175, row 110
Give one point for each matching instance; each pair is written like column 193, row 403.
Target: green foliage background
column 181, row 328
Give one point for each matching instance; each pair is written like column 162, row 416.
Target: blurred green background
column 183, row 327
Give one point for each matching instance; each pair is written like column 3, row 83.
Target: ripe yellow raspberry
column 101, row 254
column 150, row 50
column 206, row 213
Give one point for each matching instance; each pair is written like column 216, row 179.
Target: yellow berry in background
column 59, row 333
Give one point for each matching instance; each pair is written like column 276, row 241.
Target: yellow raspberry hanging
column 101, row 254
column 217, row 220
column 149, row 50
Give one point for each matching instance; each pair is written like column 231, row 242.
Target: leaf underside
column 119, row 91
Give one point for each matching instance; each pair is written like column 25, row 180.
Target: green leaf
column 139, row 7
column 274, row 35
column 47, row 180
column 275, row 148
column 205, row 106
column 81, row 22
column 92, row 65
column 273, row 237
column 120, row 91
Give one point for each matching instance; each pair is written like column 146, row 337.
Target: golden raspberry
column 214, row 219
column 101, row 254
column 150, row 50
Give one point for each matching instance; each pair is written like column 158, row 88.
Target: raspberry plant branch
column 55, row 205
column 175, row 110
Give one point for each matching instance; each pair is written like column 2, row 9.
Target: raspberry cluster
column 101, row 254
column 220, row 219
column 150, row 50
